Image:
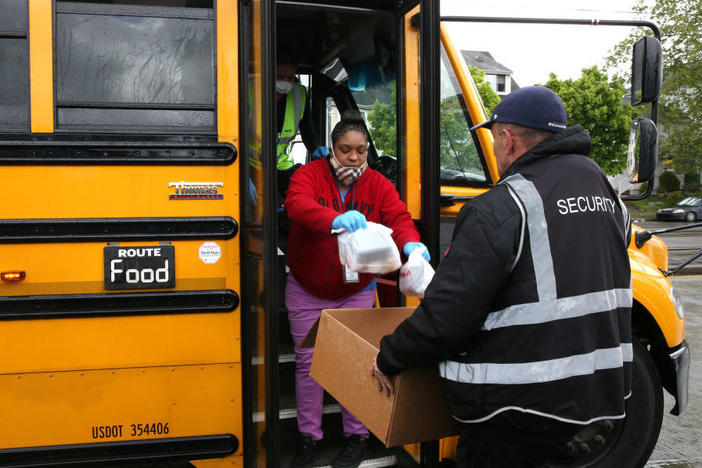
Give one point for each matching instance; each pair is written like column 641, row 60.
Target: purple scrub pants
column 303, row 311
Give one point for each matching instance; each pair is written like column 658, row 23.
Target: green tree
column 488, row 95
column 383, row 117
column 383, row 120
column 595, row 102
column 680, row 110
column 669, row 182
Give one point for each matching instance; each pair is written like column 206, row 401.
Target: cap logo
column 556, row 124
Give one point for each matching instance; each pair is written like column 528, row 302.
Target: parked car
column 688, row 209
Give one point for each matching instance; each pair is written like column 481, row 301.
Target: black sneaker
column 305, row 451
column 352, row 454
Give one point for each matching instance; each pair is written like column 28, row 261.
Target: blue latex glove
column 320, row 152
column 253, row 195
column 410, row 246
column 351, row 221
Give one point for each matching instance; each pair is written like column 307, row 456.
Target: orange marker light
column 12, row 275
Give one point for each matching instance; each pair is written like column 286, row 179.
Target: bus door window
column 14, row 61
column 461, row 158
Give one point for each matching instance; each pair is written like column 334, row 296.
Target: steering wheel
column 386, row 165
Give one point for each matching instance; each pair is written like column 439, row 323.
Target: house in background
column 499, row 76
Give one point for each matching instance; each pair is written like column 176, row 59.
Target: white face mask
column 283, row 87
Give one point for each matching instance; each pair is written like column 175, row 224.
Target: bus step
column 390, row 460
column 288, row 407
column 286, row 353
column 377, row 454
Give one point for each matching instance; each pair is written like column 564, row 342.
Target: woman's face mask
column 283, row 87
column 349, row 157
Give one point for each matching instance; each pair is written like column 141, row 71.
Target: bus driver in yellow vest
column 292, row 114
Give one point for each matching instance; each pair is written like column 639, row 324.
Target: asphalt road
column 681, row 244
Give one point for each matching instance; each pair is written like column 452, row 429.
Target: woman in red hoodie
column 336, row 192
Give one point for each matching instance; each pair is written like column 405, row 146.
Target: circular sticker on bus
column 210, row 252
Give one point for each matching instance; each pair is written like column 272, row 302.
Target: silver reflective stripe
column 627, row 221
column 335, row 70
column 521, row 233
column 538, row 236
column 562, row 308
column 540, row 371
column 541, row 413
column 548, row 308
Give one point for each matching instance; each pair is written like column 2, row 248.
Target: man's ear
column 509, row 140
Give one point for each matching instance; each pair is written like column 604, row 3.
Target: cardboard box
column 345, row 342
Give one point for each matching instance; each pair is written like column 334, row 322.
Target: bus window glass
column 14, row 85
column 371, row 67
column 14, row 16
column 377, row 104
column 155, row 65
column 461, row 162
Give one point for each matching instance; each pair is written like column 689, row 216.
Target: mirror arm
column 684, row 264
column 641, row 237
column 641, row 196
column 448, row 199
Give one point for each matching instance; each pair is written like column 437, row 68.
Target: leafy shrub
column 691, row 183
column 668, row 182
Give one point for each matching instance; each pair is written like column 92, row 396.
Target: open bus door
column 353, row 55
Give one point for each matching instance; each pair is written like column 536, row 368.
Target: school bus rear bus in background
column 141, row 312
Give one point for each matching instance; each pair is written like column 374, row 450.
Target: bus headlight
column 677, row 302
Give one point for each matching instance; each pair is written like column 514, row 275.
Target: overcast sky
column 533, row 51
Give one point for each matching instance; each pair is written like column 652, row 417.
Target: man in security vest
column 529, row 313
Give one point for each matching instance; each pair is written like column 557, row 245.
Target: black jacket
column 530, row 307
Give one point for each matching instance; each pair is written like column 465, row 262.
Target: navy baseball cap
column 533, row 107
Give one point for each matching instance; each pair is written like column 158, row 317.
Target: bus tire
column 625, row 443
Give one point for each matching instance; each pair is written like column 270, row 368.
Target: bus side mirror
column 646, row 71
column 643, row 151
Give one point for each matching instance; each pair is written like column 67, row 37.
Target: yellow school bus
column 141, row 312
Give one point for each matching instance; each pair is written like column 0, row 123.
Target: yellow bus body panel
column 112, row 191
column 63, row 378
column 41, row 71
column 413, row 164
column 653, row 291
column 227, row 72
column 472, row 192
column 119, row 342
column 78, row 407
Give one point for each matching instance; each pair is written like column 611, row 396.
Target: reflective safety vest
column 555, row 346
column 294, row 108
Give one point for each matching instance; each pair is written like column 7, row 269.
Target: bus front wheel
column 628, row 442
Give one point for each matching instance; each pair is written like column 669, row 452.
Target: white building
column 499, row 76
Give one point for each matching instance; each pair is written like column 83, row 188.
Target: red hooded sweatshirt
column 313, row 201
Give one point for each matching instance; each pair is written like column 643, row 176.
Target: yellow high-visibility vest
column 294, row 108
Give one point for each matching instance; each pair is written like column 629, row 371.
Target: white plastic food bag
column 415, row 275
column 369, row 250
